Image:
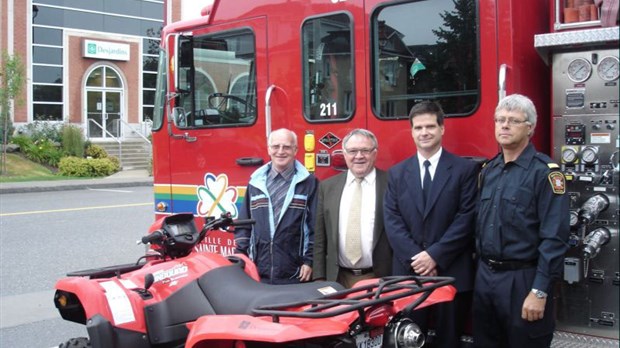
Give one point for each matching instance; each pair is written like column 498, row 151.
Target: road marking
column 28, row 308
column 110, row 190
column 76, row 209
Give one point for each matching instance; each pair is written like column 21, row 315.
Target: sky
column 191, row 8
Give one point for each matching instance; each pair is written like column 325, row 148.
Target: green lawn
column 19, row 168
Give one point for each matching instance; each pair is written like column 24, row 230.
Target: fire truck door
column 217, row 136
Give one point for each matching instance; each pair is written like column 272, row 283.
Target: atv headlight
column 408, row 335
column 69, row 306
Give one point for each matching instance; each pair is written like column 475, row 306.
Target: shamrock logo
column 216, row 197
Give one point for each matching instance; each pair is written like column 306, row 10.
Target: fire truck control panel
column 585, row 104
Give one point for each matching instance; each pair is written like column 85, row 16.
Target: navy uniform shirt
column 523, row 213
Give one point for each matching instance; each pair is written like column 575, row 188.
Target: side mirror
column 179, row 116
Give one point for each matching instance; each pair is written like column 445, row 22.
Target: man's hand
column 423, row 264
column 533, row 307
column 305, row 274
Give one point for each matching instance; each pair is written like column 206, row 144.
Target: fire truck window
column 219, row 84
column 425, row 50
column 160, row 94
column 328, row 68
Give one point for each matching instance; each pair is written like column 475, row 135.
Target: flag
column 415, row 67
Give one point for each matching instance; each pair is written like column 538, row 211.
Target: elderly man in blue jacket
column 281, row 198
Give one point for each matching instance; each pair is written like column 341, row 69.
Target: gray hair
column 363, row 132
column 519, row 103
column 293, row 135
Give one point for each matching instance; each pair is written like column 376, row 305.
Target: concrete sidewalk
column 124, row 178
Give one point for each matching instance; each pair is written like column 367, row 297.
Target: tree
column 457, row 39
column 11, row 84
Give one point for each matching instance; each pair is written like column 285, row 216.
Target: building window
column 47, row 87
column 425, row 50
column 47, row 55
column 47, row 36
column 150, row 48
column 47, row 112
column 104, row 21
column 104, row 77
column 43, row 93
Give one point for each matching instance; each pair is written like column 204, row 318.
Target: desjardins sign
column 105, row 50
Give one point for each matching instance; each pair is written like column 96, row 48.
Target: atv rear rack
column 386, row 290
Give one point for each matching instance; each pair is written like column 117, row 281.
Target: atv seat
column 232, row 291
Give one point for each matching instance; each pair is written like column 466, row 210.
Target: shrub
column 101, row 166
column 23, row 142
column 96, row 151
column 73, row 166
column 39, row 130
column 116, row 161
column 72, row 140
column 44, row 152
column 87, row 167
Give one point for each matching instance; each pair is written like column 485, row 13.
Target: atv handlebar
column 223, row 222
column 176, row 234
column 243, row 222
column 153, row 237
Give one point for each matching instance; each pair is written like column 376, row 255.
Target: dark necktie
column 426, row 183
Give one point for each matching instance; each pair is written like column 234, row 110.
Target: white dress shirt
column 432, row 168
column 369, row 194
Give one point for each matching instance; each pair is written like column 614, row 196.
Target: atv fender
column 262, row 329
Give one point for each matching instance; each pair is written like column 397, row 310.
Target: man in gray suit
column 350, row 243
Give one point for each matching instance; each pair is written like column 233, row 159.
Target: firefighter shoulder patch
column 558, row 183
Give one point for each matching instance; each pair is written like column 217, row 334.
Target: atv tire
column 79, row 342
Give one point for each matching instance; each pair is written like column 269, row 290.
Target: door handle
column 249, row 161
column 501, row 79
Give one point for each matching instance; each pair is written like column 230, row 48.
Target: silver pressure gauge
column 569, row 155
column 579, row 70
column 589, row 154
column 608, row 68
column 574, row 218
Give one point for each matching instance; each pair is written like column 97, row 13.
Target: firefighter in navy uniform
column 522, row 231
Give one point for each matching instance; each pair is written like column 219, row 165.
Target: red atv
column 181, row 298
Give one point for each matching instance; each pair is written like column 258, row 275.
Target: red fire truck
column 324, row 67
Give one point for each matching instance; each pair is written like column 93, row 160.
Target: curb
column 47, row 186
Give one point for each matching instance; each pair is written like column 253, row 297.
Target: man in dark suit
column 349, row 241
column 429, row 212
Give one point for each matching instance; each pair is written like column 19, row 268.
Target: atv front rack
column 386, row 290
column 107, row 272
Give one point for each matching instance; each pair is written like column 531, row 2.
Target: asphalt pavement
column 125, row 178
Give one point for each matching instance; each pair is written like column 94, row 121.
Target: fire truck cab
column 322, row 68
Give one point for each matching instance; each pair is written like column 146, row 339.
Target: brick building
column 88, row 62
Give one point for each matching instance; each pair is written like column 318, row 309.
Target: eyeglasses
column 363, row 152
column 511, row 121
column 276, row 147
